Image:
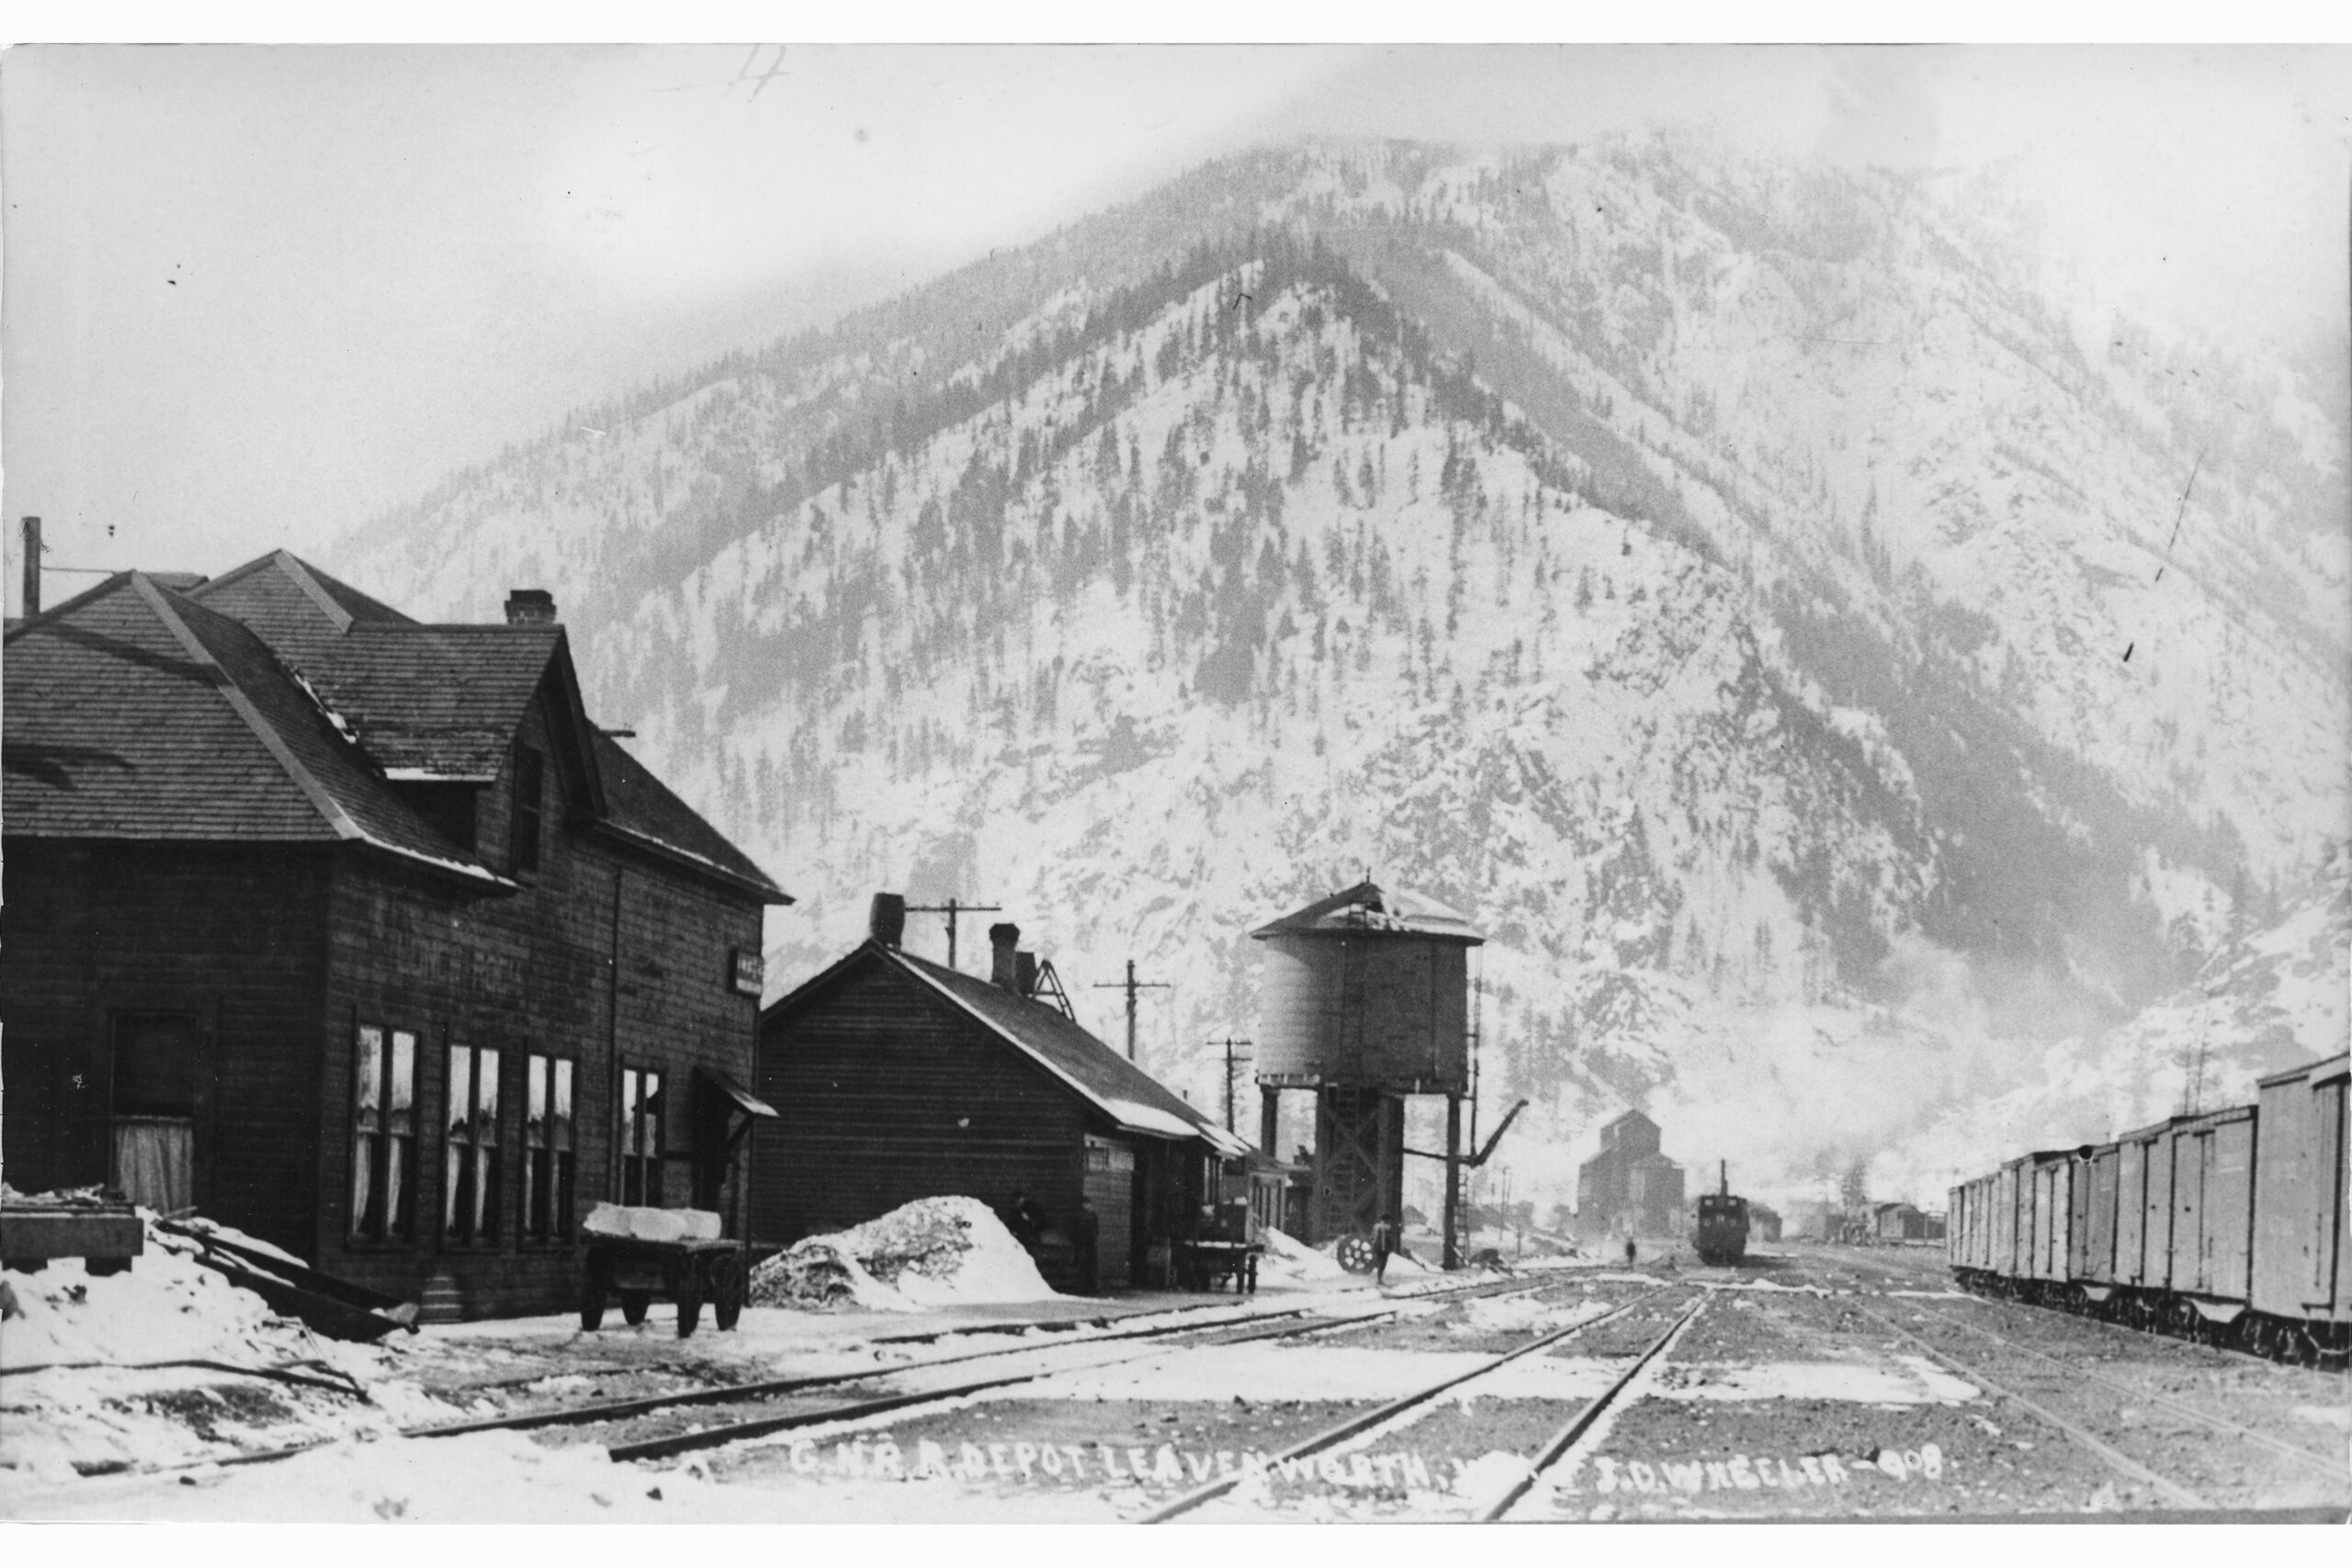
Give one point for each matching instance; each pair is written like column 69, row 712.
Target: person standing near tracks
column 1384, row 1242
column 1086, row 1236
column 1630, row 1253
column 1026, row 1222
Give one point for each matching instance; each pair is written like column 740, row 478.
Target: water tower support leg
column 1269, row 1104
column 1452, row 1180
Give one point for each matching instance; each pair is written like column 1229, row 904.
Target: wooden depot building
column 896, row 1078
column 357, row 935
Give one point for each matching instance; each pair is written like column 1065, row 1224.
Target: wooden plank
column 30, row 1235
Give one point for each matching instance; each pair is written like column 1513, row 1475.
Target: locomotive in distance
column 1721, row 1234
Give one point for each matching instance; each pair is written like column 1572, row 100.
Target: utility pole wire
column 1230, row 1062
column 1131, row 985
column 953, row 909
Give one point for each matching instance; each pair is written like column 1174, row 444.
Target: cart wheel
column 633, row 1305
column 595, row 1283
column 1355, row 1253
column 689, row 1308
column 726, row 1291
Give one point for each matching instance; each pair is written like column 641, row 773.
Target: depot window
column 470, row 1192
column 547, row 1148
column 641, row 1136
column 383, row 1134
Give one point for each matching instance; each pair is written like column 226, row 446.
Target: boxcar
column 2091, row 1263
column 2153, row 1255
column 2228, row 1226
column 2301, row 1286
column 2049, row 1194
column 2212, row 1198
column 2004, row 1260
column 1968, row 1240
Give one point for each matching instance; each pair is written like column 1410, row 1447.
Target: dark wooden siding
column 886, row 1092
column 607, row 956
column 1113, row 1194
column 227, row 934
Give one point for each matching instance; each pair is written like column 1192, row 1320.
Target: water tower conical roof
column 1369, row 907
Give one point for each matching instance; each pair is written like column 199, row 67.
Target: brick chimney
column 887, row 921
column 1004, row 937
column 530, row 607
column 32, row 567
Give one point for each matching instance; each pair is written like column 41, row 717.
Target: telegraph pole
column 1229, row 1044
column 1131, row 985
column 952, row 910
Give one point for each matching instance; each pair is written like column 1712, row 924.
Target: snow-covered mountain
column 1832, row 670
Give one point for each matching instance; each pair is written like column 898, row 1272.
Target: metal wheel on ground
column 633, row 1305
column 727, row 1291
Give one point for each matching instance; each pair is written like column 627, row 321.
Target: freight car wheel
column 633, row 1305
column 726, row 1291
column 689, row 1308
column 1355, row 1254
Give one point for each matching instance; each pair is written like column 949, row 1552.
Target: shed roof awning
column 1135, row 1116
column 745, row 1100
column 1223, row 1142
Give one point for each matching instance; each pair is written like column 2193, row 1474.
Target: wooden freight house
column 355, row 934
column 896, row 1078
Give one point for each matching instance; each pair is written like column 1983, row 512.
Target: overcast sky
column 254, row 295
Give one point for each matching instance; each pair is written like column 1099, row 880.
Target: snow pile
column 167, row 1307
column 1295, row 1262
column 1405, row 1263
column 932, row 1252
column 98, row 1378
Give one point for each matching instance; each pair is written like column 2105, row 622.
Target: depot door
column 158, row 1059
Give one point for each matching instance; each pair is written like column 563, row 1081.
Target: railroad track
column 2320, row 1380
column 600, row 1412
column 858, row 1412
column 1562, row 1442
column 2333, row 1468
column 1365, row 1421
column 615, row 1411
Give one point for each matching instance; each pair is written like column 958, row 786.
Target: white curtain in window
column 154, row 1161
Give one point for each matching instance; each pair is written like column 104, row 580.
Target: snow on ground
column 1497, row 1314
column 1305, row 1371
column 1916, row 1382
column 501, row 1477
column 85, row 1392
column 167, row 1307
column 1295, row 1262
column 932, row 1252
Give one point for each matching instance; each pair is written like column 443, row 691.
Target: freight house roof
column 274, row 704
column 1131, row 1098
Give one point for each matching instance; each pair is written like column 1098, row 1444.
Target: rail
column 1364, row 1421
column 2123, row 1463
column 1565, row 1438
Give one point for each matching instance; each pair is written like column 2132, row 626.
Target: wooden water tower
column 1366, row 1001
